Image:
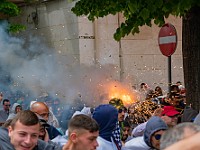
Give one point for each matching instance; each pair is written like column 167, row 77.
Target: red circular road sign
column 167, row 39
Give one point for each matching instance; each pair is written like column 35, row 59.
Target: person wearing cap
column 170, row 115
column 122, row 113
column 155, row 127
column 122, row 110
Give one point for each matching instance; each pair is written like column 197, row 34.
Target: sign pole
column 167, row 40
column 169, row 74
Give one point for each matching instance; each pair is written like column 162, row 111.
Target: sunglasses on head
column 157, row 136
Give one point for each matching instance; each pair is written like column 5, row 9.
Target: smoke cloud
column 29, row 68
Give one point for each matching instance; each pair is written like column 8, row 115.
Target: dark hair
column 158, row 89
column 83, row 122
column 142, row 84
column 18, row 106
column 26, row 117
column 5, row 100
column 174, row 88
column 122, row 108
column 127, row 124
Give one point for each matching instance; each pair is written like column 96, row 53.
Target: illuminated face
column 85, row 140
column 24, row 137
column 155, row 139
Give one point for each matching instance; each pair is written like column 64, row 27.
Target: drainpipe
column 95, row 42
column 120, row 54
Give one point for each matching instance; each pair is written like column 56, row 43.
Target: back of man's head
column 177, row 133
column 82, row 121
column 26, row 117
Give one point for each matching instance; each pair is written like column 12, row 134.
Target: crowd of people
column 156, row 121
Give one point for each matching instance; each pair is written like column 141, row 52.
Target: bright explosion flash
column 117, row 90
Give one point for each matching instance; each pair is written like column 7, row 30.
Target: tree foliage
column 136, row 12
column 10, row 9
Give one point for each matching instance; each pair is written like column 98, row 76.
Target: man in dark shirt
column 5, row 111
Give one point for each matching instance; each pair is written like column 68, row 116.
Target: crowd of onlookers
column 155, row 121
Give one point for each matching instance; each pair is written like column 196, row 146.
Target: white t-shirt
column 136, row 144
column 106, row 145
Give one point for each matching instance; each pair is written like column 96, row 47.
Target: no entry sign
column 167, row 39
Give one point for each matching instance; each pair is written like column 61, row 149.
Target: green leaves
column 136, row 12
column 9, row 8
column 15, row 28
column 159, row 3
column 97, row 8
column 145, row 13
column 133, row 6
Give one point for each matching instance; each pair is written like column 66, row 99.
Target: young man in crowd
column 4, row 113
column 22, row 134
column 126, row 133
column 155, row 127
column 82, row 133
column 170, row 116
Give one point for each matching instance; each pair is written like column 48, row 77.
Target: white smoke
column 30, row 67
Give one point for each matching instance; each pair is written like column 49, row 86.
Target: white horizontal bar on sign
column 167, row 39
